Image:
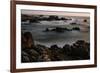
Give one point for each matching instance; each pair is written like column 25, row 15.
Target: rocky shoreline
column 31, row 52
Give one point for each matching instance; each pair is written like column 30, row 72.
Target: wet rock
column 79, row 50
column 76, row 28
column 67, row 49
column 24, row 57
column 29, row 55
column 27, row 40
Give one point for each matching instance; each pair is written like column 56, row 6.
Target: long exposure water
column 51, row 37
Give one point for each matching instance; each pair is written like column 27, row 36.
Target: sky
column 62, row 13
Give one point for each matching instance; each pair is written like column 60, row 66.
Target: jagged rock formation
column 80, row 50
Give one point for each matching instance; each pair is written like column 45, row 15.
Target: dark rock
column 57, row 29
column 73, row 23
column 24, row 57
column 27, row 40
column 76, row 28
column 67, row 49
column 29, row 55
column 47, row 29
column 54, row 47
column 79, row 49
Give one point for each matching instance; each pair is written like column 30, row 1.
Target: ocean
column 56, row 38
